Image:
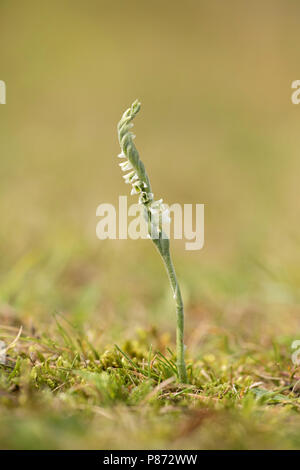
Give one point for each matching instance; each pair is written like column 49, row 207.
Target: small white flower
column 130, row 177
column 143, row 197
column 136, row 187
column 125, row 166
column 157, row 204
column 122, row 155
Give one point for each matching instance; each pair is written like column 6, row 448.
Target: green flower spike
column 156, row 214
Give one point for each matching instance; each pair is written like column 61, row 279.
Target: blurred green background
column 217, row 127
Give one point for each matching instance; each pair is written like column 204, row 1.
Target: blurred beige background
column 217, row 127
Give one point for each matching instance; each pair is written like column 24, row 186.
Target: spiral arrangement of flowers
column 156, row 215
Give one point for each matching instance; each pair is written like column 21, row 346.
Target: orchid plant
column 156, row 215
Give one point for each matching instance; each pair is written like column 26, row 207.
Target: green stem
column 179, row 313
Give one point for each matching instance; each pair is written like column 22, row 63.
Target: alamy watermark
column 180, row 222
column 2, row 92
